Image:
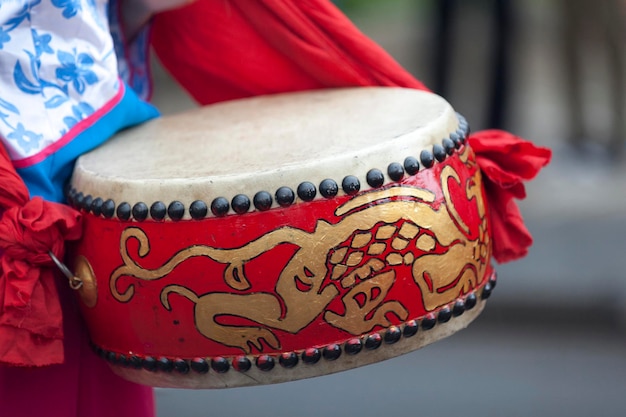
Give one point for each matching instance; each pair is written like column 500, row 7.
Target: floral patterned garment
column 64, row 77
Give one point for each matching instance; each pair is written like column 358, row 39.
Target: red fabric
column 83, row 386
column 506, row 162
column 222, row 50
column 30, row 313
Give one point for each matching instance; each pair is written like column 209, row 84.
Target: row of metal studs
column 309, row 356
column 262, row 200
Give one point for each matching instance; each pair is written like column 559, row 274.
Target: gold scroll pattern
column 377, row 232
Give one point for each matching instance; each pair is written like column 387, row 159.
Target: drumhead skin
column 264, row 143
column 281, row 237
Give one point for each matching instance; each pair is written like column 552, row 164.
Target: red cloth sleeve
column 31, row 332
column 222, row 50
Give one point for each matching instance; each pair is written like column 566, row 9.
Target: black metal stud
column 456, row 139
column 149, row 364
column 101, row 352
column 122, row 360
column 97, row 349
column 353, row 346
column 111, row 357
column 463, row 126
column 198, row 210
column 135, row 362
column 411, row 165
column 288, row 360
column 392, row 335
column 262, row 201
column 70, row 194
column 285, row 196
column 329, row 188
column 493, row 280
column 462, row 135
column 427, row 158
column 108, row 208
column 220, row 207
column 265, row 363
column 373, row 341
column 462, row 120
column 439, row 152
column 444, row 315
column 176, row 210
column 240, row 203
column 331, row 352
column 470, row 301
column 311, row 356
column 466, row 131
column 458, row 308
column 350, row 185
column 428, row 322
column 140, row 211
column 181, row 366
column 123, row 211
column 87, row 203
column 448, row 145
column 410, row 328
column 241, row 364
column 375, row 178
column 78, row 200
column 306, row 191
column 165, row 364
column 220, row 365
column 486, row 291
column 200, row 365
column 395, row 171
column 96, row 206
column 158, row 210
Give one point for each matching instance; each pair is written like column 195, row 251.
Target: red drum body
column 240, row 265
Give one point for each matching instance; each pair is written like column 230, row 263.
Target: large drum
column 281, row 237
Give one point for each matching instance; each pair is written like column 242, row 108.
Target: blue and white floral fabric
column 64, row 76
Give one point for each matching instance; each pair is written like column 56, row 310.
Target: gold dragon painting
column 376, row 232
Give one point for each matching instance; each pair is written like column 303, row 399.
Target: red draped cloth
column 221, row 50
column 30, row 312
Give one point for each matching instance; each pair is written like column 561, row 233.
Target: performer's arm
column 136, row 13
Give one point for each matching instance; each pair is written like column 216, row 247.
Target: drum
column 281, row 237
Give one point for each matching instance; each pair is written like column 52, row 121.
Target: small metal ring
column 74, row 282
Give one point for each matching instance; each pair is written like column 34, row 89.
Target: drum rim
column 219, row 372
column 240, row 203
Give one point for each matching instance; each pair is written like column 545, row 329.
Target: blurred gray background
column 551, row 341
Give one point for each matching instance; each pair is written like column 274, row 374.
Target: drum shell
column 295, row 280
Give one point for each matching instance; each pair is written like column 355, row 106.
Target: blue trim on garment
column 48, row 177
